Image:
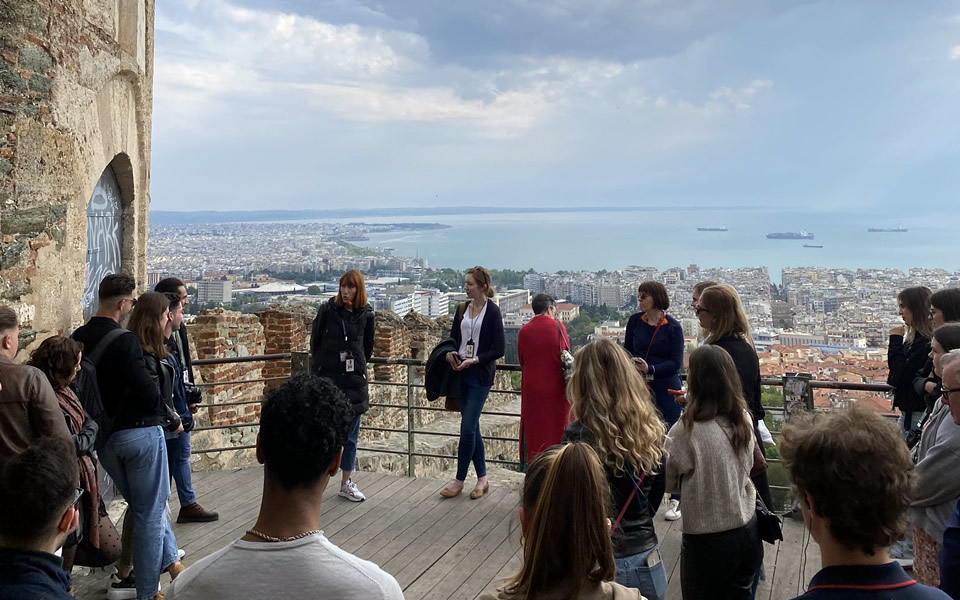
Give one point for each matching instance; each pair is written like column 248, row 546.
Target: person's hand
column 194, row 408
column 898, row 330
column 466, row 363
column 680, row 399
column 929, row 387
column 641, row 365
column 179, row 428
column 453, row 359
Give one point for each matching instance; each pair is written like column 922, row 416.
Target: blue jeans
column 348, row 462
column 178, row 462
column 473, row 395
column 632, row 571
column 136, row 459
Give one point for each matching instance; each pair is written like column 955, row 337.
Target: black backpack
column 88, row 390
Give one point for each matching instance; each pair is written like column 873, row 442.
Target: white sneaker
column 181, row 553
column 673, row 511
column 350, row 491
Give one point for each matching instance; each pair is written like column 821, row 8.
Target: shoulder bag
column 566, row 358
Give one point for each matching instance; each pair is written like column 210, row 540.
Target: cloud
column 955, row 53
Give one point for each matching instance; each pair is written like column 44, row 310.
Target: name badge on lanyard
column 349, row 364
column 468, row 353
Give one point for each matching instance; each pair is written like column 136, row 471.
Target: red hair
column 354, row 279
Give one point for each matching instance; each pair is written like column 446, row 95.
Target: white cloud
column 955, row 53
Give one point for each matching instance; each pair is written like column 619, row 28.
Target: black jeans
column 720, row 566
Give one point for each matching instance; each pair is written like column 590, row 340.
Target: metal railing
column 300, row 362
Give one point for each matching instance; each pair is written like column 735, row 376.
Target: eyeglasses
column 699, row 310
column 948, row 391
column 132, row 301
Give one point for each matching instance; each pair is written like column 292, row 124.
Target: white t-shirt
column 312, row 567
column 470, row 330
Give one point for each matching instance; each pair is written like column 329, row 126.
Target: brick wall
column 286, row 329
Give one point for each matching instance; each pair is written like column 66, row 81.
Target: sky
column 299, row 104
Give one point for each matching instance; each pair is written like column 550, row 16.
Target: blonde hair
column 723, row 303
column 565, row 500
column 613, row 402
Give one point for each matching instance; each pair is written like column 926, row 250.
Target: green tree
column 314, row 290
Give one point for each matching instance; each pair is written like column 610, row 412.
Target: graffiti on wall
column 104, row 237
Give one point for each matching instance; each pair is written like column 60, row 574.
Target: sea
column 664, row 238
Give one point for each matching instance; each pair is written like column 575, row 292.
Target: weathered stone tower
column 76, row 97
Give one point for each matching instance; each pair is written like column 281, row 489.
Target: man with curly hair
column 858, row 456
column 303, row 426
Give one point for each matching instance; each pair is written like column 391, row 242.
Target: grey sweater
column 938, row 461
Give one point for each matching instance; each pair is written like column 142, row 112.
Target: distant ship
column 897, row 229
column 720, row 228
column 803, row 235
column 813, row 245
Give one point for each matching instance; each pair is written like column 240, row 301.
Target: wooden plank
column 417, row 556
column 770, row 552
column 246, row 495
column 445, row 552
column 428, row 491
column 335, row 506
column 484, row 578
column 387, row 495
column 810, row 560
column 787, row 573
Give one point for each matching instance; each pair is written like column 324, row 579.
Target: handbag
column 109, row 550
column 769, row 524
column 566, row 358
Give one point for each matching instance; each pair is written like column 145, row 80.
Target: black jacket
column 636, row 533
column 492, row 344
column 337, row 329
column 924, row 375
column 748, row 368
column 32, row 575
column 439, row 378
column 127, row 391
column 86, row 438
column 161, row 372
column 904, row 362
column 185, row 342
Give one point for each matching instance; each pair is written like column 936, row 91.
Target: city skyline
column 294, row 104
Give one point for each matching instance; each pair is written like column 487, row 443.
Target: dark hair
column 661, row 299
column 303, row 424
column 145, row 322
column 859, row 456
column 948, row 301
column 541, row 302
column 8, row 318
column 354, row 279
column 483, row 279
column 170, row 285
column 173, row 298
column 948, row 336
column 565, row 499
column 715, row 391
column 36, row 487
column 57, row 358
column 917, row 301
column 116, row 285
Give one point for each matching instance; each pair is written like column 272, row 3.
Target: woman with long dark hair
column 709, row 457
column 566, row 549
column 59, row 359
column 944, row 308
column 478, row 332
column 907, row 353
column 341, row 345
column 616, row 415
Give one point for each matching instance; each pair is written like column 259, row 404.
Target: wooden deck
column 436, row 548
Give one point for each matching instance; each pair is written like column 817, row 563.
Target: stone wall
column 76, row 95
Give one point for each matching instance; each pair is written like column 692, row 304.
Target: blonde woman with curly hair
column 616, row 415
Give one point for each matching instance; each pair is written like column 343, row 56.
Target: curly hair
column 859, row 456
column 57, row 357
column 610, row 399
column 303, row 425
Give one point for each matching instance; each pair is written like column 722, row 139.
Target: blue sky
column 347, row 103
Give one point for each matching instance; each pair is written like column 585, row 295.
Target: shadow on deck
column 436, row 548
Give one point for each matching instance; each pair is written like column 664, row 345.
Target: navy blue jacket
column 179, row 388
column 665, row 358
column 868, row 582
column 492, row 344
column 950, row 555
column 32, row 575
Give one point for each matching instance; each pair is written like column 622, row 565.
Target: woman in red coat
column 544, row 410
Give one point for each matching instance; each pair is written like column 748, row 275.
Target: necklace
column 270, row 538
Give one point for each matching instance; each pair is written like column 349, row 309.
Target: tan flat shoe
column 449, row 493
column 478, row 491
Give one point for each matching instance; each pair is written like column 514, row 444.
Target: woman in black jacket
column 340, row 346
column 478, row 331
column 721, row 313
column 907, row 354
column 944, row 308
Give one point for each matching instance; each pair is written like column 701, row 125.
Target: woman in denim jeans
column 136, row 459
column 615, row 413
column 478, row 332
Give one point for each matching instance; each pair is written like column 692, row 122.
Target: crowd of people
column 603, row 440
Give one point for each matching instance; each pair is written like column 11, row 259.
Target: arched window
column 104, row 237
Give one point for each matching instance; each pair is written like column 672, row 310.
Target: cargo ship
column 897, row 229
column 720, row 228
column 813, row 245
column 803, row 235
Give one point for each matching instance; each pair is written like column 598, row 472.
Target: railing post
column 299, row 363
column 411, row 402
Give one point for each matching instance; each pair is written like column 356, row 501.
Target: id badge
column 186, row 375
column 349, row 365
column 343, row 356
column 469, row 351
column 653, row 559
column 649, row 376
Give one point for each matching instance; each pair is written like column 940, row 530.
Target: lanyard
column 663, row 320
column 473, row 321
